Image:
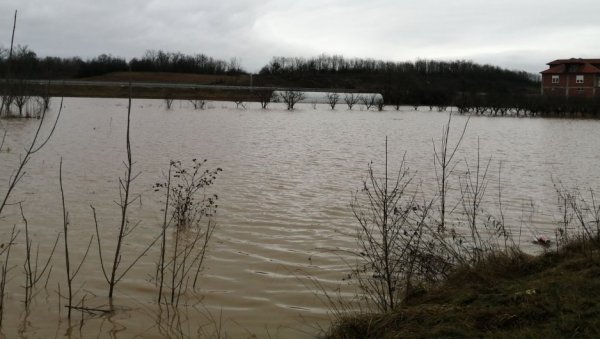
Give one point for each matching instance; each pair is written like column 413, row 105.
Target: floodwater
column 284, row 225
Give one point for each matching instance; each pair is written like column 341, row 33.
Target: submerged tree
column 333, row 98
column 264, row 96
column 351, row 99
column 291, row 98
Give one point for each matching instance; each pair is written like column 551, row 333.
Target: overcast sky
column 515, row 34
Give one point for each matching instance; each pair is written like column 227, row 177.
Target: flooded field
column 283, row 223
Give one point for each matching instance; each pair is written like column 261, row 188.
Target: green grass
column 554, row 295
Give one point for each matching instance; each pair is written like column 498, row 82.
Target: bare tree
column 239, row 103
column 351, row 99
column 368, row 100
column 380, row 104
column 198, row 103
column 20, row 95
column 168, row 98
column 292, row 97
column 333, row 98
column 234, row 66
column 264, row 96
column 7, row 100
column 43, row 96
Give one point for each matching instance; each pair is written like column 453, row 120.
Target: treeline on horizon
column 337, row 64
column 332, row 71
column 26, row 64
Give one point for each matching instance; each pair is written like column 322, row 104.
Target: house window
column 579, row 79
column 555, row 79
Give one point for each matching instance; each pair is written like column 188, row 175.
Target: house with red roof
column 572, row 78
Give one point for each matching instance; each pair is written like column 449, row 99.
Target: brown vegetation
column 175, row 78
column 506, row 295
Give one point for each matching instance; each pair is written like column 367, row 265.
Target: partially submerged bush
column 187, row 203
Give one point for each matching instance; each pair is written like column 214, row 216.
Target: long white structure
column 323, row 97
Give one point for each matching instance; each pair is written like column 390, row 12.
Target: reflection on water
column 284, row 198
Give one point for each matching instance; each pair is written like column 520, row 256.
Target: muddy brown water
column 284, row 222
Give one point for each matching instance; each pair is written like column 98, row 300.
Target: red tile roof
column 558, row 69
column 574, row 61
column 587, row 66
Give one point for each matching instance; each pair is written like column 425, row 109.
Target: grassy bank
column 556, row 294
column 110, row 90
column 175, row 78
column 164, row 86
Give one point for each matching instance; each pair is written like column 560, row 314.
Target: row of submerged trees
column 501, row 103
column 529, row 105
column 495, row 104
column 290, row 98
column 21, row 99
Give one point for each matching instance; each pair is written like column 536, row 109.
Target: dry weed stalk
column 70, row 275
column 580, row 216
column 5, row 250
column 124, row 228
column 443, row 158
column 472, row 189
column 33, row 271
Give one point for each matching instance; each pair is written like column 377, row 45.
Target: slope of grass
column 175, row 78
column 554, row 295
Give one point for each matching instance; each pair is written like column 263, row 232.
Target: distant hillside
column 417, row 81
column 177, row 78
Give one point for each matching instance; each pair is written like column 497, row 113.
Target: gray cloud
column 515, row 34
